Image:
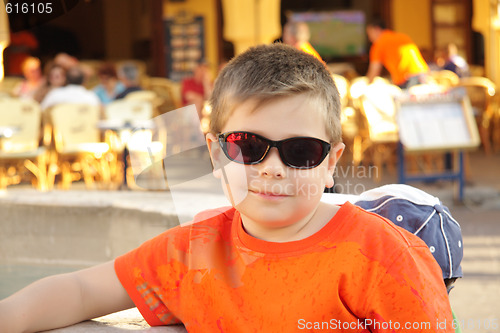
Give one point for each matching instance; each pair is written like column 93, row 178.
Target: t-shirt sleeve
column 411, row 293
column 376, row 53
column 153, row 273
column 150, row 272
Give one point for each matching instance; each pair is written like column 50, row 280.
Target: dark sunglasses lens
column 245, row 147
column 303, row 152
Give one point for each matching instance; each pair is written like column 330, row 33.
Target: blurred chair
column 77, row 143
column 444, row 78
column 129, row 109
column 476, row 70
column 166, row 89
column 20, row 149
column 378, row 132
column 8, row 83
column 139, row 142
column 142, row 95
column 481, row 92
column 496, row 123
column 92, row 67
column 146, row 96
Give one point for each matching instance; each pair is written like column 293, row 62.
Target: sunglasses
column 250, row 148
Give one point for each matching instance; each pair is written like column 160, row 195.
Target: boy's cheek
column 234, row 182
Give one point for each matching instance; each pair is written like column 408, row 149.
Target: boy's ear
column 215, row 154
column 333, row 157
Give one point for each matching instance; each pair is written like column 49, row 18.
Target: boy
column 279, row 260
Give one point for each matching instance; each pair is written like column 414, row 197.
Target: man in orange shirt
column 396, row 52
column 297, row 35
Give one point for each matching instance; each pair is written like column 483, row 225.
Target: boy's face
column 269, row 194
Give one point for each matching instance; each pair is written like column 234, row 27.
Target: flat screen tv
column 335, row 34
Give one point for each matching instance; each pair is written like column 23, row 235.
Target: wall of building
column 117, row 29
column 486, row 21
column 249, row 23
column 413, row 17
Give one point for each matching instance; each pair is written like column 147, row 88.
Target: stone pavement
column 138, row 215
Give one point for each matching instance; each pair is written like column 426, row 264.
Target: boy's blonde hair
column 268, row 72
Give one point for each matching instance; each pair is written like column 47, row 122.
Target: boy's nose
column 272, row 166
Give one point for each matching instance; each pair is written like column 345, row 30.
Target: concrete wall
column 66, row 234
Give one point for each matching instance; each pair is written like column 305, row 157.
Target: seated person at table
column 109, row 86
column 73, row 92
column 454, row 62
column 128, row 74
column 278, row 259
column 197, row 89
column 55, row 78
column 33, row 79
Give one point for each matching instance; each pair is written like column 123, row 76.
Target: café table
column 123, row 130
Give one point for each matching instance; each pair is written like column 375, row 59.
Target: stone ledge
column 120, row 322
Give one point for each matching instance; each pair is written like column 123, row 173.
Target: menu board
column 437, row 122
column 185, row 45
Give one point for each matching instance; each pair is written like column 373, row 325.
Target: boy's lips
column 269, row 195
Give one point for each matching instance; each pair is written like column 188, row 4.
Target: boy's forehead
column 300, row 112
column 255, row 106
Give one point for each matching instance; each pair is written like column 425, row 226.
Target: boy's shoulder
column 372, row 228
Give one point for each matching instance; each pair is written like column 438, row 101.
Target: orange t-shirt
column 398, row 53
column 359, row 269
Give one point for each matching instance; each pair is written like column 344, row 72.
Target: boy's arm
column 64, row 300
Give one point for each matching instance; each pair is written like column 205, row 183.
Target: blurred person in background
column 128, row 74
column 33, row 79
column 397, row 53
column 109, row 86
column 55, row 77
column 197, row 88
column 297, row 35
column 67, row 61
column 454, row 62
column 73, row 92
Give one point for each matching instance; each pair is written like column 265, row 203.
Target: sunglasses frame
column 222, row 137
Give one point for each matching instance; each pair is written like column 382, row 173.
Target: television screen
column 337, row 33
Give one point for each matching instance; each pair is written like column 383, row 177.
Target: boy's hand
column 63, row 300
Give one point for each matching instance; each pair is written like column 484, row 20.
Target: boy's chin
column 272, row 217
